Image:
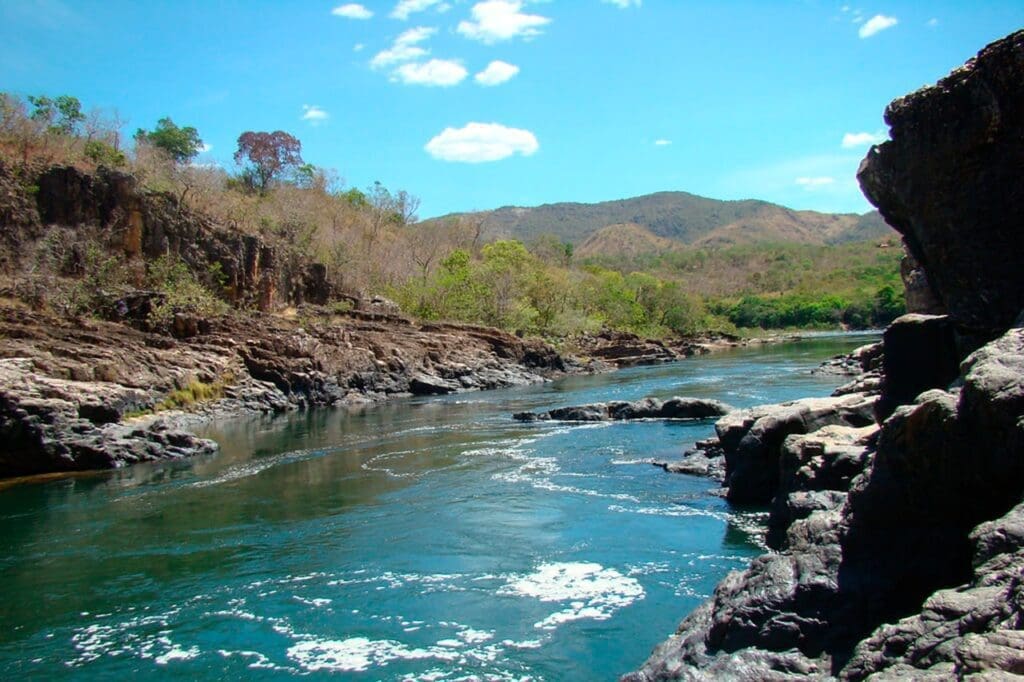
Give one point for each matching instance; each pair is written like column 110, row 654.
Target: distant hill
column 626, row 239
column 656, row 221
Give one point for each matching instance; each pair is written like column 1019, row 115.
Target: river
column 426, row 539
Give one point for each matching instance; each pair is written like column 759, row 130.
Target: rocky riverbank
column 896, row 511
column 66, row 384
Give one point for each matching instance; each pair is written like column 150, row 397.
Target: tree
column 62, row 115
column 269, row 155
column 181, row 144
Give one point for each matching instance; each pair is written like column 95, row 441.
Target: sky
column 476, row 104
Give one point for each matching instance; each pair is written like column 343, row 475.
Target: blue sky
column 478, row 104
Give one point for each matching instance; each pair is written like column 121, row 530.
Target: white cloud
column 205, row 148
column 314, row 114
column 815, row 182
column 496, row 73
column 437, row 72
column 497, row 20
column 406, row 7
column 877, row 23
column 358, row 47
column 851, row 140
column 480, row 142
column 932, row 23
column 352, row 10
column 662, row 142
column 624, row 4
column 405, row 48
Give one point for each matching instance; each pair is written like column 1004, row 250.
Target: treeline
column 370, row 242
column 537, row 288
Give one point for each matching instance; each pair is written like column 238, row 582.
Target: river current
column 426, row 539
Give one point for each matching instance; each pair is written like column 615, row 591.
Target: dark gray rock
column 752, row 439
column 949, row 180
column 45, row 426
column 815, row 471
column 646, row 408
column 696, row 463
column 920, row 354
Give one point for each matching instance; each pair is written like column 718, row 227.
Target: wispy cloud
column 358, row 47
column 813, row 183
column 352, row 10
column 437, row 72
column 406, row 7
column 405, row 48
column 205, row 148
column 481, row 142
column 623, row 4
column 662, row 142
column 497, row 20
column 852, row 140
column 314, row 114
column 877, row 23
column 932, row 23
column 496, row 73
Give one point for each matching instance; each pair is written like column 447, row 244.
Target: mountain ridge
column 681, row 217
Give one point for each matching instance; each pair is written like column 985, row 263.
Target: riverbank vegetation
column 370, row 242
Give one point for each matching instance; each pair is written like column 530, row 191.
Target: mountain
column 646, row 222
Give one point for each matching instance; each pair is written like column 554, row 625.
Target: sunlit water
column 431, row 539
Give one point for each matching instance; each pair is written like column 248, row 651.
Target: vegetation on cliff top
column 370, row 242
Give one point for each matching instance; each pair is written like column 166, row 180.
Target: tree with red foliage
column 269, row 155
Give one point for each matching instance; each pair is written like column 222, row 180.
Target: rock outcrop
column 902, row 550
column 949, row 181
column 49, row 425
column 98, row 372
column 647, row 408
column 752, row 439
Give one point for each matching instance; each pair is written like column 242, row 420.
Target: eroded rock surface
column 97, row 372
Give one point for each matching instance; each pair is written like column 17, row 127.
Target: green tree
column 62, row 115
column 180, row 143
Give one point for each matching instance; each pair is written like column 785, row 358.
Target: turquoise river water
column 427, row 539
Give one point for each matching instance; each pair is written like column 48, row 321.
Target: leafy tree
column 103, row 153
column 61, row 115
column 181, row 144
column 269, row 155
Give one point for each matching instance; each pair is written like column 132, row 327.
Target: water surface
column 427, row 539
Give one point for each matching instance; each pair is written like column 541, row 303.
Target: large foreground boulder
column 915, row 522
column 950, row 182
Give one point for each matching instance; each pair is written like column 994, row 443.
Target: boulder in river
column 646, row 408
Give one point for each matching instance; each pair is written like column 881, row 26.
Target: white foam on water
column 674, row 510
column 592, row 591
column 471, row 636
column 358, row 654
column 640, row 460
column 252, row 468
column 176, row 654
column 371, row 464
column 312, row 602
column 524, row 644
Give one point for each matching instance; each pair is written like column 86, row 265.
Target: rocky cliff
column 900, row 545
